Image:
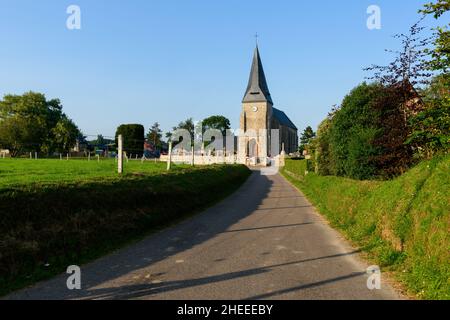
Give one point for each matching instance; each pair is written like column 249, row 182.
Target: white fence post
column 169, row 160
column 120, row 154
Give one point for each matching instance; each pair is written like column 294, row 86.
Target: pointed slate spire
column 257, row 89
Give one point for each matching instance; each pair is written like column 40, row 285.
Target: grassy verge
column 402, row 224
column 46, row 226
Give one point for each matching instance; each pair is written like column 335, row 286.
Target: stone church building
column 259, row 118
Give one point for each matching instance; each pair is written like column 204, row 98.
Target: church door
column 252, row 148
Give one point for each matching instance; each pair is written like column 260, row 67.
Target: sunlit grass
column 403, row 224
column 56, row 213
column 15, row 172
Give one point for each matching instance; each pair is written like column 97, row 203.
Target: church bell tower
column 255, row 123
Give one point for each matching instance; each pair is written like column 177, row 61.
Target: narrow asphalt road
column 264, row 242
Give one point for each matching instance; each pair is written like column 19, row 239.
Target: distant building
column 4, row 153
column 413, row 101
column 150, row 151
column 76, row 148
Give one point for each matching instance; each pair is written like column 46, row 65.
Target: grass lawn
column 15, row 172
column 402, row 224
column 58, row 213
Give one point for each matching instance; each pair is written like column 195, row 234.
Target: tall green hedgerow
column 352, row 132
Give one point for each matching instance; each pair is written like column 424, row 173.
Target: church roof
column 283, row 119
column 257, row 89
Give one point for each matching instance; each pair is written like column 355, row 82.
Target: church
column 259, row 139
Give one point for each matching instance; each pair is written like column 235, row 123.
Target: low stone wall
column 220, row 159
column 201, row 160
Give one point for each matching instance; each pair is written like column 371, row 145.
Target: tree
column 188, row 125
column 324, row 157
column 366, row 136
column 307, row 135
column 100, row 141
column 17, row 135
column 133, row 138
column 220, row 123
column 393, row 156
column 168, row 136
column 216, row 122
column 431, row 127
column 306, row 138
column 82, row 138
column 441, row 53
column 408, row 70
column 437, row 9
column 154, row 135
column 65, row 134
column 28, row 123
column 409, row 64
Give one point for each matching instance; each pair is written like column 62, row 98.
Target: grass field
column 18, row 172
column 403, row 224
column 58, row 213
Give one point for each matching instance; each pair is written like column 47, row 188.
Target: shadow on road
column 272, row 227
column 147, row 290
column 307, row 286
column 160, row 246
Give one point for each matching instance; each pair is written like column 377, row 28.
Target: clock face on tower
column 255, row 109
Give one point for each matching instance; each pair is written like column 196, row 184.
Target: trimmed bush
column 133, row 138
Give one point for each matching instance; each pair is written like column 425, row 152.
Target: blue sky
column 145, row 61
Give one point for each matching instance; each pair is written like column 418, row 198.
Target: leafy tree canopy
column 431, row 127
column 216, row 122
column 437, row 8
column 441, row 52
column 154, row 135
column 307, row 135
column 188, row 125
column 30, row 122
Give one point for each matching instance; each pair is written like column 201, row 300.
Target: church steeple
column 257, row 89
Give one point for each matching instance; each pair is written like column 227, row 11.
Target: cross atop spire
column 257, row 89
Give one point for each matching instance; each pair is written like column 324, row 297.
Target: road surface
column 265, row 241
